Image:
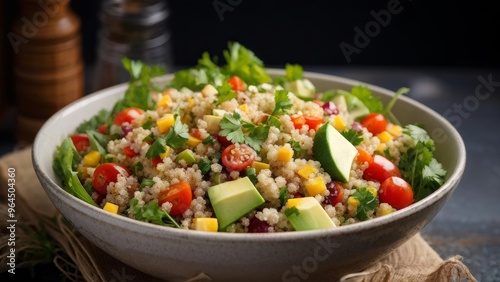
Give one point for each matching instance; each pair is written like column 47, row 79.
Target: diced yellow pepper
column 373, row 191
column 193, row 141
column 206, row 224
column 191, row 102
column 315, row 186
column 186, row 118
column 110, row 207
column 260, row 166
column 165, row 123
column 396, row 131
column 384, row 209
column 82, row 172
column 209, row 90
column 165, row 154
column 339, row 123
column 285, row 154
column 306, row 171
column 243, row 108
column 351, row 201
column 381, row 147
column 92, row 158
column 165, row 100
column 384, row 136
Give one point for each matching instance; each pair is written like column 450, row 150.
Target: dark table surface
column 469, row 223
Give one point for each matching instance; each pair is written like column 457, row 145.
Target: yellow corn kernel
column 92, row 158
column 165, row 123
column 165, row 100
column 260, row 166
column 206, row 224
column 82, row 172
column 285, row 154
column 193, row 141
column 165, row 154
column 243, row 108
column 381, row 147
column 384, row 209
column 315, row 186
column 209, row 90
column 339, row 123
column 306, row 171
column 110, row 207
column 351, row 201
column 372, row 190
column 384, row 136
column 396, row 131
column 191, row 102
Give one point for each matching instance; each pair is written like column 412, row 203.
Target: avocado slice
column 356, row 108
column 307, row 214
column 303, row 88
column 186, row 155
column 334, row 152
column 233, row 199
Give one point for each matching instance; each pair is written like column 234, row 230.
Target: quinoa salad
column 230, row 149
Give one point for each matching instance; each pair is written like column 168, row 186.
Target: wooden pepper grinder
column 48, row 67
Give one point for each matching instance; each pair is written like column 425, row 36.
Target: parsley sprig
column 367, row 203
column 225, row 93
column 353, row 136
column 239, row 131
column 282, row 102
column 175, row 138
column 418, row 165
column 151, row 212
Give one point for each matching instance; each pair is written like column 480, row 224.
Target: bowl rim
column 130, row 224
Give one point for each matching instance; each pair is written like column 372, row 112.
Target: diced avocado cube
column 218, row 112
column 233, row 199
column 307, row 214
column 186, row 155
column 303, row 88
column 213, row 123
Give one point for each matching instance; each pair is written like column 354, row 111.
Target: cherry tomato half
column 380, row 168
column 128, row 115
column 105, row 174
column 237, row 83
column 238, row 157
column 396, row 192
column 336, row 193
column 81, row 142
column 375, row 123
column 179, row 195
column 313, row 122
column 129, row 152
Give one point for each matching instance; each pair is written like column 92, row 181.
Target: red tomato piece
column 179, row 195
column 298, row 121
column 375, row 123
column 81, row 142
column 396, row 192
column 336, row 193
column 363, row 156
column 223, row 140
column 237, row 83
column 313, row 122
column 129, row 153
column 103, row 129
column 105, row 174
column 238, row 157
column 156, row 161
column 128, row 115
column 380, row 168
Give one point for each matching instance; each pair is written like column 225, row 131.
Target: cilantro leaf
column 282, row 102
column 283, row 196
column 243, row 63
column 225, row 93
column 157, row 148
column 373, row 103
column 231, row 128
column 93, row 123
column 298, row 151
column 367, row 203
column 256, row 134
column 353, row 136
column 175, row 138
column 293, row 72
column 152, row 213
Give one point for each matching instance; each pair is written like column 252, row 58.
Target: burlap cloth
column 80, row 260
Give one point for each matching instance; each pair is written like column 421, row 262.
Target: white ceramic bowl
column 320, row 255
